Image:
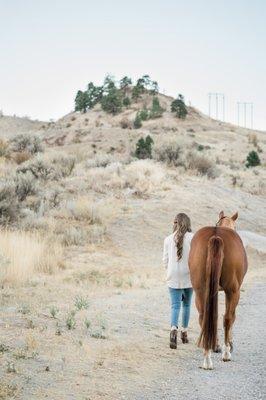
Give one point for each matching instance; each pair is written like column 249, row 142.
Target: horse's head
column 228, row 222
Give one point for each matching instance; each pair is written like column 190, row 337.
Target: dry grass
column 23, row 254
column 139, row 178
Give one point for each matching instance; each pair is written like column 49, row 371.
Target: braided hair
column 181, row 225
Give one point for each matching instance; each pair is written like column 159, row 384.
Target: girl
column 175, row 260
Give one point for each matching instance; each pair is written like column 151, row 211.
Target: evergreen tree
column 156, row 110
column 126, row 101
column 109, row 83
column 125, row 83
column 94, row 94
column 112, row 102
column 81, row 101
column 137, row 122
column 144, row 148
column 179, row 107
column 252, row 159
column 136, row 92
column 154, row 87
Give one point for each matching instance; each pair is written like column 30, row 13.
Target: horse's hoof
column 226, row 359
column 207, row 368
column 218, row 349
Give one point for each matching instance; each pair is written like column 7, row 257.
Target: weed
column 81, row 303
column 53, row 311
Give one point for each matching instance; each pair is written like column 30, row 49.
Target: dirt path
column 243, row 378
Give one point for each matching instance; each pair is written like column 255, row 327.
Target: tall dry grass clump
column 23, row 253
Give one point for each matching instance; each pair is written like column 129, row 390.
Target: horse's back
column 234, row 264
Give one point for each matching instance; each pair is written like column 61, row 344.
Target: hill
column 85, row 219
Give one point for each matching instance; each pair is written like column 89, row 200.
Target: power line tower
column 219, row 106
column 245, row 109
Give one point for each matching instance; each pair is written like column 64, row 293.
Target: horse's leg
column 199, row 299
column 231, row 302
column 207, row 362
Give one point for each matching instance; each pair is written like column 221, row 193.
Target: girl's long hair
column 182, row 225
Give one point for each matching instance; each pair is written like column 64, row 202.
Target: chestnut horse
column 217, row 261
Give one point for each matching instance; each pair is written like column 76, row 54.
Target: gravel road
column 242, row 378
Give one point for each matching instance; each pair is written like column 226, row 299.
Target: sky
column 51, row 48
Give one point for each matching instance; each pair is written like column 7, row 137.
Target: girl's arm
column 165, row 254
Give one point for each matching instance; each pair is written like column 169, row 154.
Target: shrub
column 21, row 157
column 201, row 164
column 101, row 160
column 39, row 167
column 179, row 107
column 3, row 148
column 252, row 159
column 137, row 122
column 144, row 114
column 26, row 142
column 63, row 164
column 72, row 237
column 144, row 148
column 9, row 207
column 253, row 139
column 168, row 152
column 83, row 210
column 156, row 110
column 43, row 168
column 125, row 123
column 25, row 185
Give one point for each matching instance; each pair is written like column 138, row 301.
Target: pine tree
column 252, row 159
column 144, row 148
column 112, row 102
column 94, row 94
column 125, row 83
column 179, row 107
column 137, row 122
column 156, row 110
column 81, row 101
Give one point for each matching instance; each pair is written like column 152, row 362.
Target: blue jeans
column 177, row 297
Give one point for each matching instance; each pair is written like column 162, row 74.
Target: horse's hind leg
column 199, row 300
column 231, row 301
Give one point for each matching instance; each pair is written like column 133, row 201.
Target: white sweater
column 177, row 276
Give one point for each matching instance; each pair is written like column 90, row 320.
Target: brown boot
column 173, row 339
column 184, row 337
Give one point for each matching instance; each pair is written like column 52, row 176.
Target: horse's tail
column 208, row 336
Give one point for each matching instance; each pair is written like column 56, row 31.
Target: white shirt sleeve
column 165, row 254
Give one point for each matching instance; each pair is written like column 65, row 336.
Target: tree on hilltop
column 81, row 101
column 125, row 83
column 179, row 107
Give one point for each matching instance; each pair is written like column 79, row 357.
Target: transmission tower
column 219, row 103
column 245, row 113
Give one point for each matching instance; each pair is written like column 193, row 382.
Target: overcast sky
column 51, row 48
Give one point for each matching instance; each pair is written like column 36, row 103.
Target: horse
column 217, row 261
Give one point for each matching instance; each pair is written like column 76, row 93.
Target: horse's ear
column 221, row 215
column 235, row 216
